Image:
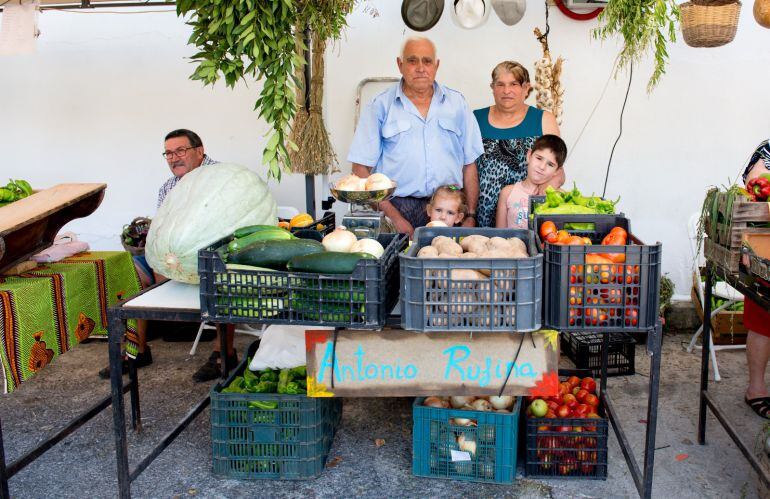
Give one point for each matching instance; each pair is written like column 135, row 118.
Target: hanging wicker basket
column 709, row 23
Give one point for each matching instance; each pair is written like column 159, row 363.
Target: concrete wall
column 96, row 99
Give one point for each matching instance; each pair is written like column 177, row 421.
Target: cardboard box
column 726, row 326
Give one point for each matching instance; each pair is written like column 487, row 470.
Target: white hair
column 418, row 39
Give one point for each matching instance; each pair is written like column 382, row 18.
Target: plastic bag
column 65, row 245
column 281, row 347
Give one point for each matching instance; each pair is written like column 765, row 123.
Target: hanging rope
column 316, row 155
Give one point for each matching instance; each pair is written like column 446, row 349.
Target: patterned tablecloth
column 47, row 311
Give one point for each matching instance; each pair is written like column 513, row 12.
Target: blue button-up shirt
column 420, row 154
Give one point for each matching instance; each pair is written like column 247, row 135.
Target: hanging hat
column 510, row 11
column 421, row 15
column 470, row 14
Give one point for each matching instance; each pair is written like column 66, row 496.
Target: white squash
column 207, row 204
column 340, row 239
column 371, row 246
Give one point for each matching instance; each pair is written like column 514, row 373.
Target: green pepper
column 265, row 387
column 552, row 197
column 283, row 380
column 296, row 373
column 265, row 405
column 236, row 386
column 293, row 388
column 249, row 375
column 564, row 209
column 303, row 382
column 7, row 194
column 268, row 375
column 24, row 186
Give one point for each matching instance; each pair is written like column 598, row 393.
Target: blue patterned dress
column 504, row 160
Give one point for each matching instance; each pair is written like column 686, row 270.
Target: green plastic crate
column 290, row 442
column 434, row 439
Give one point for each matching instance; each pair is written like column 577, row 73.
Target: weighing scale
column 363, row 219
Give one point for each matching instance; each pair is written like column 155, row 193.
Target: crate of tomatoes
column 566, row 435
column 598, row 276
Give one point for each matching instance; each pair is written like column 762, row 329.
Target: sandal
column 761, row 406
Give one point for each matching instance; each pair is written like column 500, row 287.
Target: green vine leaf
column 645, row 26
column 254, row 39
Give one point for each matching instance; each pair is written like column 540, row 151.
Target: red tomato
column 591, row 400
column 570, row 400
column 564, row 388
column 551, row 414
column 581, row 394
column 573, row 381
column 552, row 405
column 562, row 411
column 582, row 409
column 548, row 227
column 588, row 384
column 552, row 238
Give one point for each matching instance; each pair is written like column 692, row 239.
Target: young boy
column 544, row 160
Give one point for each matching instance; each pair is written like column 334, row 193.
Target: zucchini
column 329, row 312
column 239, row 284
column 263, row 308
column 272, row 234
column 274, row 254
column 245, row 231
column 328, row 262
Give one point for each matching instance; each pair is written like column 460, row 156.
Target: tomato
column 587, row 241
column 548, row 227
column 562, row 412
column 580, row 394
column 581, row 410
column 564, row 388
column 573, row 381
column 588, row 384
column 552, row 238
column 591, row 400
column 563, row 237
column 575, row 241
column 570, row 400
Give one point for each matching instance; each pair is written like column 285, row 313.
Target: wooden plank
column 42, row 204
column 30, row 225
column 396, row 363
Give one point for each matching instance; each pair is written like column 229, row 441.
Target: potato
column 467, row 275
column 469, row 254
column 499, row 243
column 518, row 244
column 496, row 253
column 519, row 253
column 467, row 241
column 477, row 247
column 427, row 252
column 450, row 248
column 437, row 241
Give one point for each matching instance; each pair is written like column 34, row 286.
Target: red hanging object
column 574, row 15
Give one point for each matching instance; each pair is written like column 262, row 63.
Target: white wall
column 102, row 90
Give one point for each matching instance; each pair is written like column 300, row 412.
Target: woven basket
column 709, row 23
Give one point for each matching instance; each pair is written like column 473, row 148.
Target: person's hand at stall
column 471, row 189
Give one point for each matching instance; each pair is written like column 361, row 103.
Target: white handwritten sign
column 403, row 363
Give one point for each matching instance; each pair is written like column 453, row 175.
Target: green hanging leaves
column 644, row 25
column 254, row 38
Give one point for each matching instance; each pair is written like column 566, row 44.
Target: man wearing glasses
column 183, row 152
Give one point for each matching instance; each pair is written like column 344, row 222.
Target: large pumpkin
column 208, row 204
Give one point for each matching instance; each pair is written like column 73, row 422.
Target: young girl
column 447, row 205
column 544, row 160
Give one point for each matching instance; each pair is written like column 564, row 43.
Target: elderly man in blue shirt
column 420, row 134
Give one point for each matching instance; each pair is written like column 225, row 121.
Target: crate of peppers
column 263, row 426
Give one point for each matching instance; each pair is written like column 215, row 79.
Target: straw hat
column 510, row 11
column 421, row 15
column 470, row 14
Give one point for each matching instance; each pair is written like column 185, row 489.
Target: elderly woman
column 755, row 318
column 508, row 129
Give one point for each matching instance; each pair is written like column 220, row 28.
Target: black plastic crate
column 585, row 351
column 573, row 448
column 600, row 297
column 362, row 299
column 508, row 300
column 289, row 442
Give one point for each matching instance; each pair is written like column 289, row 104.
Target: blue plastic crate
column 434, row 439
column 290, row 442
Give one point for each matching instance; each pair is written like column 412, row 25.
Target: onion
column 462, row 422
column 466, row 445
column 378, row 182
column 351, row 182
column 503, row 402
column 437, row 223
column 458, row 402
column 340, row 239
column 370, row 246
column 481, row 405
column 434, row 402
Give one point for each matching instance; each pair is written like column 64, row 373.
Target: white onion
column 351, row 182
column 503, row 402
column 340, row 239
column 370, row 246
column 466, row 445
column 458, row 402
column 433, row 402
column 377, row 182
column 481, row 405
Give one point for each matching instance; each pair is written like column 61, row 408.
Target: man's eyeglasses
column 179, row 153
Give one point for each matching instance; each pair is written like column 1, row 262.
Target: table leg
column 3, row 472
column 654, row 349
column 704, row 363
column 136, row 410
column 117, row 329
column 222, row 333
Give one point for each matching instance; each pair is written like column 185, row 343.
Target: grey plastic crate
column 508, row 300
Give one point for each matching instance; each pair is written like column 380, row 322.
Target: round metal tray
column 362, row 197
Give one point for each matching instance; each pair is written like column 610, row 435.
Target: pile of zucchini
column 267, row 248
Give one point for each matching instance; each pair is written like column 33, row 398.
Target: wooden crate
column 726, row 327
column 734, row 219
column 728, row 259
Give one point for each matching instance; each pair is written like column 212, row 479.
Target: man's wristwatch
column 470, row 215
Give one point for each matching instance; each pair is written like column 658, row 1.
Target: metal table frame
column 742, row 283
column 117, row 317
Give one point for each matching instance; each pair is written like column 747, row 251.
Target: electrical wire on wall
column 620, row 132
